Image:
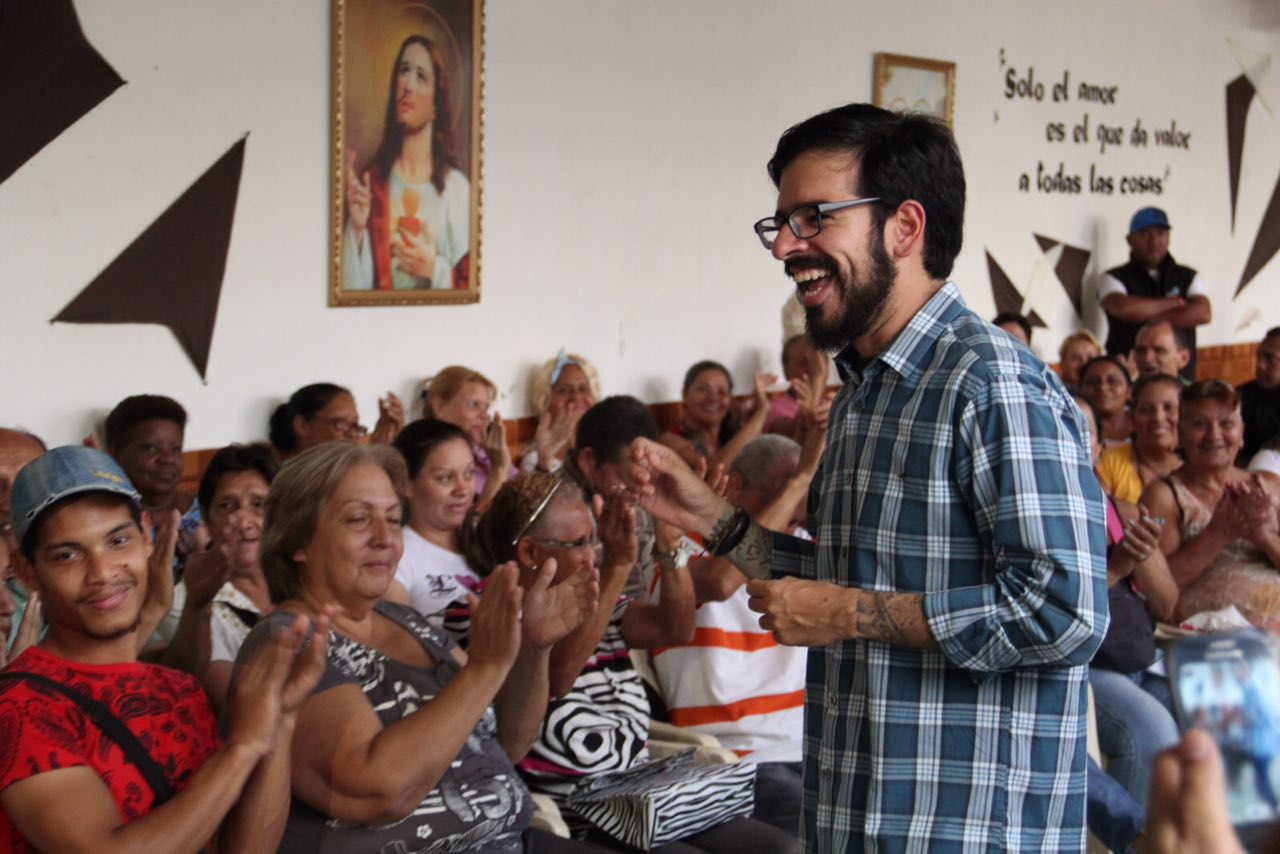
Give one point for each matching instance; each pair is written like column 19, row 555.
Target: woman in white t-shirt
column 441, row 491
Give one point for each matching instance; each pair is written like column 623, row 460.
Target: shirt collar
column 909, row 351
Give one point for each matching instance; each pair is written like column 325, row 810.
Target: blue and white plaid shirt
column 958, row 467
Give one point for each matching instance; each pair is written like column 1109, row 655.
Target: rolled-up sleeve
column 793, row 556
column 1024, row 472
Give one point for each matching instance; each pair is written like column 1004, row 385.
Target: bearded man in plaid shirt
column 957, row 586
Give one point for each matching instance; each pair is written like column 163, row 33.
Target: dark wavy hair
column 901, row 156
column 730, row 426
column 132, row 411
column 233, row 459
column 442, row 154
column 419, row 438
column 306, row 401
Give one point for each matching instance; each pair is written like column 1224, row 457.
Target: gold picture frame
column 406, row 152
column 914, row 84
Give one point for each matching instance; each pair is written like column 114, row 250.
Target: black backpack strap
column 112, row 727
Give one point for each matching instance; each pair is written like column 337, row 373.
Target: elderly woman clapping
column 1225, row 546
column 406, row 738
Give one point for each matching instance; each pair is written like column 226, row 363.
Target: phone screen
column 1229, row 686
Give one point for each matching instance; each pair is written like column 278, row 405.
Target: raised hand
column 28, row 633
column 662, row 484
column 495, row 445
column 552, row 611
column 760, row 396
column 495, row 619
column 159, row 598
column 616, row 524
column 359, row 195
column 390, row 419
column 206, row 572
column 273, row 684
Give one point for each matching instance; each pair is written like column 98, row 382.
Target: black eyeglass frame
column 772, row 223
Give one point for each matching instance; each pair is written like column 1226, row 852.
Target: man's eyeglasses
column 805, row 221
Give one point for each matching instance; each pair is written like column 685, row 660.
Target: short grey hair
column 761, row 457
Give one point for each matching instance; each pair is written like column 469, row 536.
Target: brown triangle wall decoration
column 50, row 77
column 171, row 274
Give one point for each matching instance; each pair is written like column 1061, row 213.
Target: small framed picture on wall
column 913, row 84
column 406, row 151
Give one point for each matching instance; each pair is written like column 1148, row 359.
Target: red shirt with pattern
column 167, row 710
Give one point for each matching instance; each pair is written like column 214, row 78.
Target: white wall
column 625, row 143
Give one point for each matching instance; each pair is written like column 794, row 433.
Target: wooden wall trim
column 1231, row 362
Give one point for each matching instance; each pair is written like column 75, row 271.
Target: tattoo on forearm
column 754, row 555
column 895, row 618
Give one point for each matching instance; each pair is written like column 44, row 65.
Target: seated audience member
column 1125, row 470
column 1260, row 398
column 24, row 628
column 223, row 593
column 1015, row 324
column 598, row 719
column 806, row 399
column 324, row 412
column 561, row 390
column 733, row 680
column 1221, row 539
column 605, row 434
column 1105, row 383
column 1076, row 349
column 144, row 434
column 17, row 448
column 99, row 751
column 708, row 430
column 441, row 490
column 1134, row 706
column 400, row 745
column 463, row 397
column 1161, row 348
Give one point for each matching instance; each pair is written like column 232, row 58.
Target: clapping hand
column 1141, row 536
column 616, row 523
column 274, row 684
column 390, row 420
column 495, row 619
column 552, row 611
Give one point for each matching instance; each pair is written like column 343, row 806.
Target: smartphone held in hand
column 1228, row 684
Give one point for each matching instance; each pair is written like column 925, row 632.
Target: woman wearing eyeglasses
column 598, row 717
column 325, row 412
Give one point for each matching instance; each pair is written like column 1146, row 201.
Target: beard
column 862, row 298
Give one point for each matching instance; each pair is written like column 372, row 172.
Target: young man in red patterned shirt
column 70, row 779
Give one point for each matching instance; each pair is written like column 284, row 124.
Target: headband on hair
column 563, row 360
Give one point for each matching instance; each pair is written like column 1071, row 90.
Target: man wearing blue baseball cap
column 1152, row 286
column 99, row 751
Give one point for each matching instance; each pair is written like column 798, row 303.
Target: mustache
column 808, row 262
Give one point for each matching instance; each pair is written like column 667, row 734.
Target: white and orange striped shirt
column 734, row 681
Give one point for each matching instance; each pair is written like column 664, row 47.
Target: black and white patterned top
column 479, row 805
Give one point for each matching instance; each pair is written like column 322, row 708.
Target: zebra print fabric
column 660, row 802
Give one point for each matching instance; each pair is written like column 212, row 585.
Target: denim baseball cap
column 1148, row 218
column 52, row 476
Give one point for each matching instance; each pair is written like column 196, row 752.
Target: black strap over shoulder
column 112, row 727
